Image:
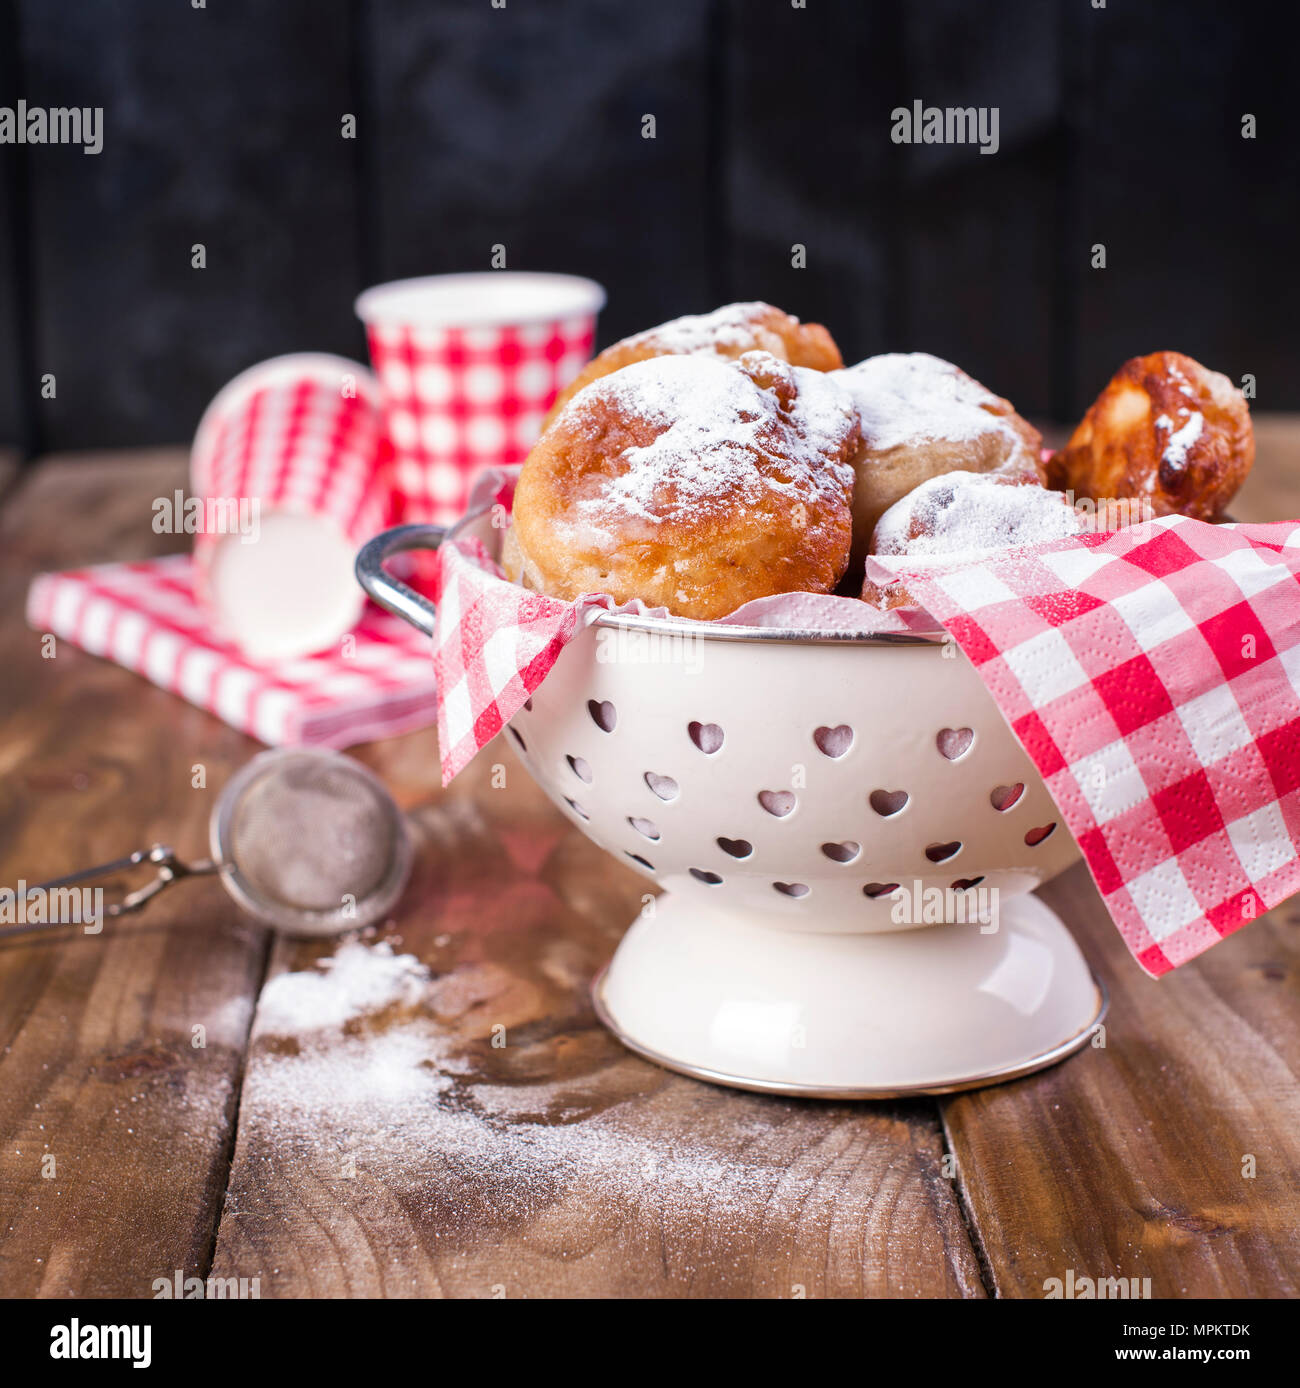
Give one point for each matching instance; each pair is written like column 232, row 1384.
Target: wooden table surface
column 404, row 1154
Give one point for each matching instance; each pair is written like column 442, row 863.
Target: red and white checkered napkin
column 375, row 683
column 1153, row 676
column 493, row 644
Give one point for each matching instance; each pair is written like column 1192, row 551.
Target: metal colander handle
column 391, row 593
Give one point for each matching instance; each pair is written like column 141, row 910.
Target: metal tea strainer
column 306, row 840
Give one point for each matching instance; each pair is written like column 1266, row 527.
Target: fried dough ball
column 693, row 483
column 967, row 511
column 726, row 332
column 1166, row 431
column 923, row 417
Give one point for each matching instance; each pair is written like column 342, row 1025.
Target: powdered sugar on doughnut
column 729, row 328
column 719, row 430
column 1181, row 439
column 962, row 511
column 906, row 396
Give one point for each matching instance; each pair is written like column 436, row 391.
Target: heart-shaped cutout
column 954, row 742
column 603, row 714
column 704, row 875
column 708, row 737
column 637, row 858
column 834, row 742
column 1003, row 797
column 888, row 802
column 842, row 852
column 580, row 768
column 1035, row 836
column 576, row 808
column 738, row 848
column 644, row 826
column 964, row 884
column 791, row 888
column 941, row 852
column 875, row 889
column 777, row 802
column 663, row 786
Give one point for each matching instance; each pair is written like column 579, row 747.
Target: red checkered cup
column 288, row 478
column 468, row 365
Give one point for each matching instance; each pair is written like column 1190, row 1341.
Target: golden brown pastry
column 726, row 332
column 962, row 511
column 692, row 482
column 922, row 417
column 1166, row 431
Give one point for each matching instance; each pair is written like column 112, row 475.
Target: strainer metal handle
column 391, row 593
column 159, row 855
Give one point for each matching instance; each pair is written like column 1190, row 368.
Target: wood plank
column 97, row 1069
column 1272, row 491
column 1127, row 1161
column 557, row 1165
column 222, row 126
column 513, row 126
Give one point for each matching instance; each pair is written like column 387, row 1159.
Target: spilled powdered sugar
column 962, row 511
column 353, row 1067
column 718, row 432
column 906, row 396
column 355, row 981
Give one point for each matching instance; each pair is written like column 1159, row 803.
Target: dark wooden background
column 522, row 126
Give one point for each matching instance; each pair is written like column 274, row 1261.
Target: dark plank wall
column 222, row 128
column 13, row 174
column 522, row 126
column 1200, row 225
column 801, row 90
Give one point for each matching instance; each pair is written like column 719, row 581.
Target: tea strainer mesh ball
column 310, row 841
column 304, row 839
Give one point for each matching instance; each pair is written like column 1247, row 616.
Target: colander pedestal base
column 926, row 1011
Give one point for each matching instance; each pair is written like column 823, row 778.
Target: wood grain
column 98, row 1071
column 1272, row 491
column 1130, row 1160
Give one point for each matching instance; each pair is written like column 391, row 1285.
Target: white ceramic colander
column 846, row 831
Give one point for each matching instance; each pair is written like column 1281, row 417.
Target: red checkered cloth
column 144, row 617
column 459, row 400
column 493, row 644
column 1152, row 674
